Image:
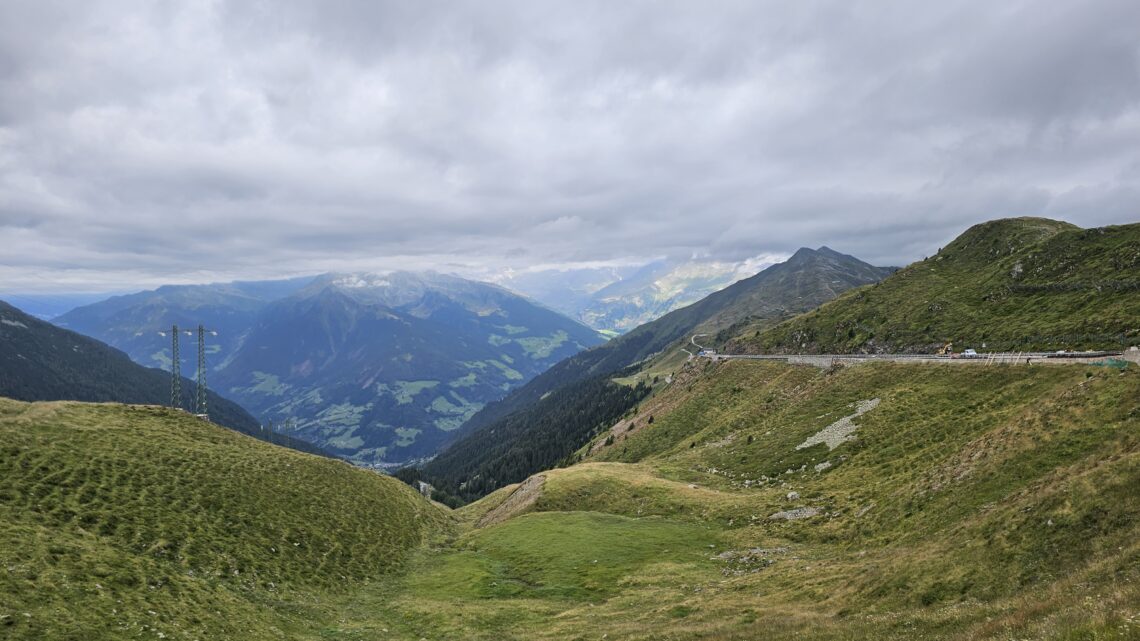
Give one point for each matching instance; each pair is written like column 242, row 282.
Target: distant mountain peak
column 360, row 280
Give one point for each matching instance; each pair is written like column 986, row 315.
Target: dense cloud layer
column 145, row 142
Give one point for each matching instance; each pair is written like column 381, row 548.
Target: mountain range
column 672, row 496
column 134, row 322
column 376, row 368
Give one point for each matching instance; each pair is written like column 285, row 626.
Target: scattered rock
column 835, row 434
column 740, row 562
column 795, row 514
column 793, row 496
column 819, row 467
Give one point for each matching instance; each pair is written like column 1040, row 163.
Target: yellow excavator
column 947, row 349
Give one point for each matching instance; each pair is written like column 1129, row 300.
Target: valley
column 569, row 321
column 634, row 490
column 966, row 503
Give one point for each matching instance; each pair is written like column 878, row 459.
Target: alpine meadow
column 515, row 321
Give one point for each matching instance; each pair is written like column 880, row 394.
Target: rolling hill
column 143, row 522
column 41, row 362
column 880, row 501
column 1012, row 284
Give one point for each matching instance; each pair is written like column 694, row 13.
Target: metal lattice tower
column 175, row 371
column 200, row 405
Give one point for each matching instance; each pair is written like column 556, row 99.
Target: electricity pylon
column 175, row 370
column 200, row 408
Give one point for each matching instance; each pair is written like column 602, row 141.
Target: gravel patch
column 796, row 514
column 835, row 434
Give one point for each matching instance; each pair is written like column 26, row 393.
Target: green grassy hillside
column 140, row 522
column 968, row 502
column 763, row 500
column 1014, row 284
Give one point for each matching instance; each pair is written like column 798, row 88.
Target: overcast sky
column 150, row 142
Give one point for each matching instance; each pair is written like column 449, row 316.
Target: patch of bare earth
column 518, row 502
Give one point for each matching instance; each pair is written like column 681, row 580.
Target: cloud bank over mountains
column 184, row 142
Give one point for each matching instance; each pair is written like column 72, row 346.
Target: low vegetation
column 970, row 502
column 1014, row 284
column 141, row 522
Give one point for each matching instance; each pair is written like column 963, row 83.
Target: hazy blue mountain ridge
column 381, row 368
column 133, row 322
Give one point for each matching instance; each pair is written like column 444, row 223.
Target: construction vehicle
column 946, row 350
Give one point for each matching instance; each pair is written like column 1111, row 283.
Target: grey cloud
column 144, row 142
